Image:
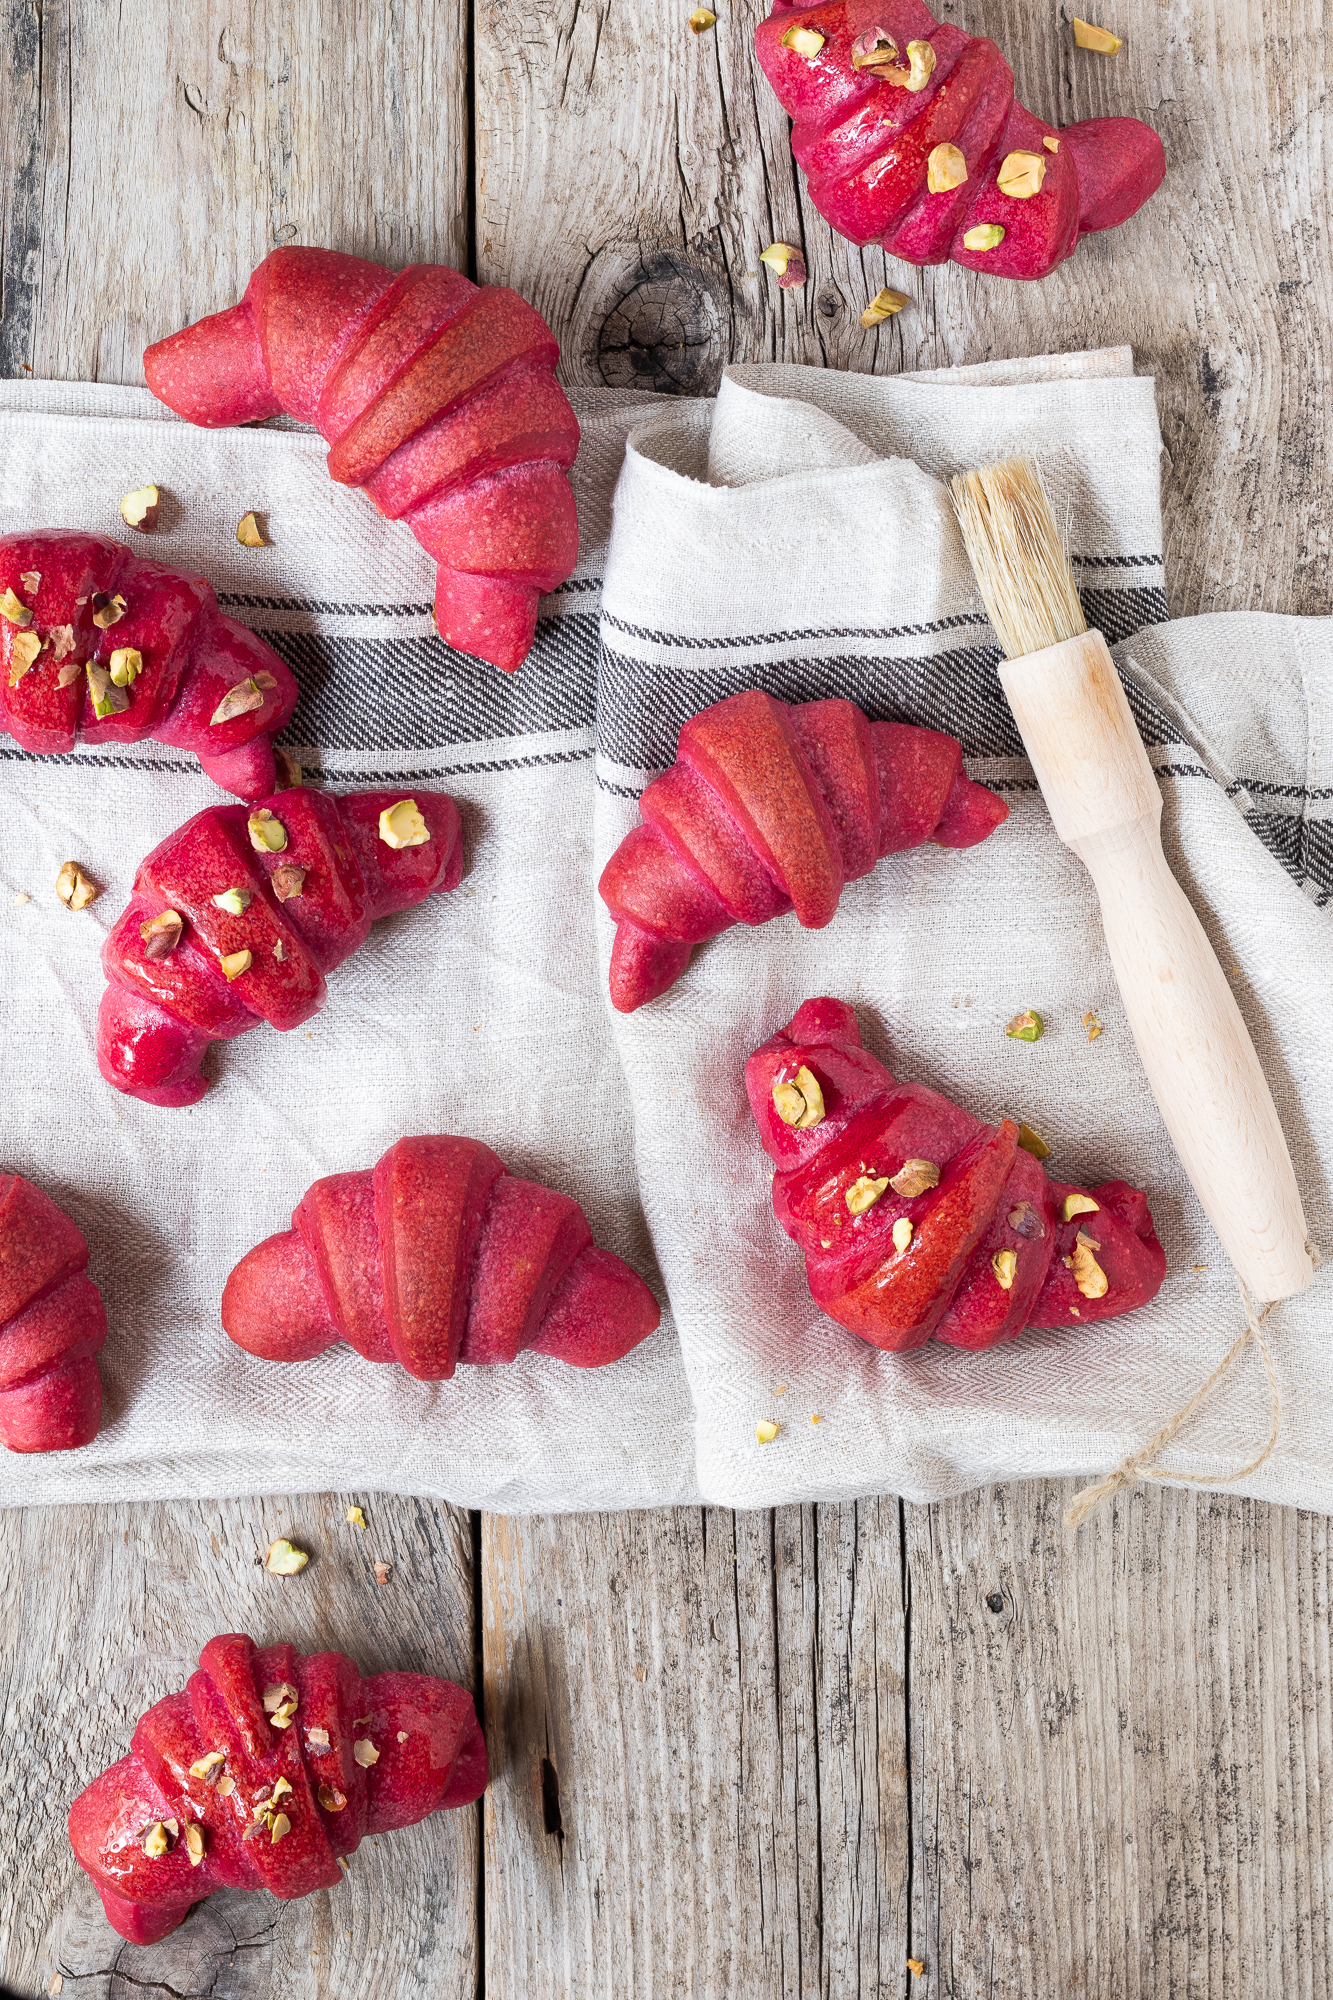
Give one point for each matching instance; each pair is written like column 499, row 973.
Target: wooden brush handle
column 1200, row 1061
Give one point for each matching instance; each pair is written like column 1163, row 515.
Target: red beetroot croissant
column 52, row 1323
column 235, row 920
column 910, row 136
column 438, row 397
column 770, row 808
column 101, row 646
column 918, row 1221
column 266, row 1768
column 438, row 1255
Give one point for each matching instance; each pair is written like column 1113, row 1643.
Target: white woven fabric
column 802, row 504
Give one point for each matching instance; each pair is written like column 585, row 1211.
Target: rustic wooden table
column 751, row 1755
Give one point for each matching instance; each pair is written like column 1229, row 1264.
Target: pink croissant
column 52, row 1324
column 269, row 1766
column 910, row 136
column 770, row 808
column 437, row 1256
column 100, row 646
column 236, row 918
column 436, row 395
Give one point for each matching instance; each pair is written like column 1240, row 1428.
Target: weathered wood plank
column 629, row 173
column 154, row 154
column 1121, row 1747
column 102, row 1611
column 696, row 1731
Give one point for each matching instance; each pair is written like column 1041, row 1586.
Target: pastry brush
column 1103, row 797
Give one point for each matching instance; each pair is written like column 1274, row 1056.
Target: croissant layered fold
column 100, row 646
column 437, row 396
column 920, row 1222
column 52, row 1325
column 437, row 1256
column 911, row 137
column 770, row 808
column 267, row 1768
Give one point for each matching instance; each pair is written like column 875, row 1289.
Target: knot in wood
column 665, row 333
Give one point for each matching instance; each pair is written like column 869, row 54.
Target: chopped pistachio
column 14, row 609
column 23, row 655
column 107, row 698
column 74, row 888
column 355, row 1518
column 1021, row 175
column 701, row 20
column 280, row 1706
column 287, row 881
column 209, row 1768
column 1093, row 1026
column 985, row 236
column 267, row 834
column 281, row 1558
column 107, row 611
column 800, row 1101
column 235, row 901
column 60, row 638
column 1026, row 1027
column 125, row 664
column 864, row 1193
column 902, row 1234
column 365, row 1752
column 787, row 261
column 155, row 1841
column 875, row 50
column 402, row 825
column 1025, row 1221
column 280, row 1826
column 31, row 579
column 194, row 1842
column 243, row 699
column 1050, row 142
column 139, row 509
column 766, row 1432
column 1032, row 1142
column 915, row 1177
column 1086, row 36
column 280, row 1788
column 921, row 67
column 317, row 1739
column 162, row 933
column 331, row 1798
column 1089, row 1276
column 1004, row 1264
column 801, row 41
column 383, row 1571
column 402, row 1736
column 1079, row 1203
column 226, row 1785
column 946, row 169
column 69, row 673
column 249, row 533
column 884, row 305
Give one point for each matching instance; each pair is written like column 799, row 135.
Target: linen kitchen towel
column 799, row 538
column 486, row 1011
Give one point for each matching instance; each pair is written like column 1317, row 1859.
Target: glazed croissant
column 437, row 1255
column 910, row 137
column 268, row 1766
column 436, row 396
column 101, row 646
column 770, row 808
column 52, row 1323
column 917, row 1220
column 236, row 918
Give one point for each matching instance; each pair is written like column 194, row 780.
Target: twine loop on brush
column 1140, row 1464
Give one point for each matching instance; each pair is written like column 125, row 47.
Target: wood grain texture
column 103, row 1610
column 629, row 173
column 155, row 153
column 1121, row 1748
column 695, row 1722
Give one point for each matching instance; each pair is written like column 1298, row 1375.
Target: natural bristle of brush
column 1018, row 554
